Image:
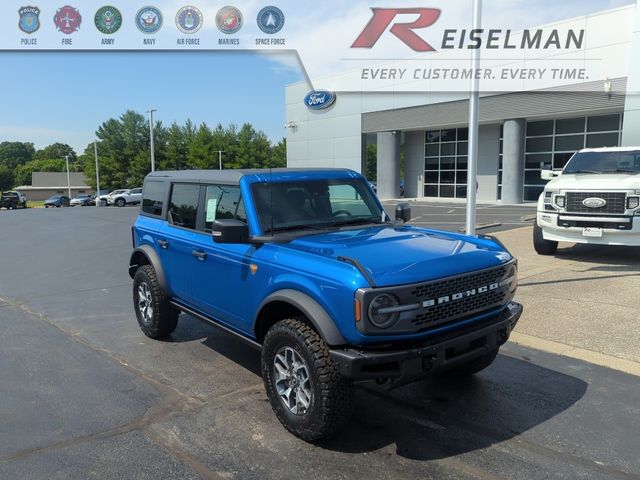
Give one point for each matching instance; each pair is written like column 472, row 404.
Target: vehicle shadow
column 437, row 417
column 624, row 258
column 442, row 417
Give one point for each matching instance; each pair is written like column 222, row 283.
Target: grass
column 35, row 204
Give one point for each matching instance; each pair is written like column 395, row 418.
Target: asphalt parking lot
column 84, row 394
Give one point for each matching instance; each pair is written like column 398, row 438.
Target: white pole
column 220, row 152
column 95, row 148
column 474, row 110
column 66, row 158
column 153, row 149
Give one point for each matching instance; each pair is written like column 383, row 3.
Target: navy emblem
column 189, row 19
column 149, row 20
column 271, row 20
column 67, row 19
column 229, row 20
column 29, row 19
column 108, row 20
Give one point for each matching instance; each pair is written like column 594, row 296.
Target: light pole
column 95, row 148
column 66, row 159
column 220, row 152
column 474, row 112
column 153, row 149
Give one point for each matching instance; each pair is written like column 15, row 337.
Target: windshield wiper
column 358, row 221
column 296, row 227
column 583, row 171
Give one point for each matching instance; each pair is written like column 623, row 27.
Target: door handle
column 199, row 255
column 163, row 244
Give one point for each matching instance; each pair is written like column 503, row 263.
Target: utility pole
column 474, row 115
column 220, row 152
column 153, row 149
column 95, row 148
column 66, row 159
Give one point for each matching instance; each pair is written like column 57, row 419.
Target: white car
column 595, row 199
column 126, row 197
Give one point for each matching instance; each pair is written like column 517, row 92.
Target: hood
column 398, row 256
column 607, row 181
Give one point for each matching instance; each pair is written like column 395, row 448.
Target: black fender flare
column 316, row 314
column 152, row 259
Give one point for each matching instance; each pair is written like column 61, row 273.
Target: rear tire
column 156, row 317
column 542, row 246
column 474, row 366
column 121, row 202
column 308, row 395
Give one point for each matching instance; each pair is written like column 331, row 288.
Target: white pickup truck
column 595, row 199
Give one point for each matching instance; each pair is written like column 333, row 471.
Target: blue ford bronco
column 307, row 266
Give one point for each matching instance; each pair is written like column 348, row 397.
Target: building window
column 551, row 143
column 445, row 163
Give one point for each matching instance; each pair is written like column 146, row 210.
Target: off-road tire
column 542, row 246
column 164, row 318
column 474, row 366
column 120, row 202
column 330, row 407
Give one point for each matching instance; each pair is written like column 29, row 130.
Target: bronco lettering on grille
column 466, row 294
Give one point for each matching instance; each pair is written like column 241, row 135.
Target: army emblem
column 108, row 20
column 29, row 19
column 189, row 19
column 229, row 20
column 67, row 19
column 149, row 20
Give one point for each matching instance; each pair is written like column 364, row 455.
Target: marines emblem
column 229, row 20
column 29, row 19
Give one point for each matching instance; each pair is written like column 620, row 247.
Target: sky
column 65, row 96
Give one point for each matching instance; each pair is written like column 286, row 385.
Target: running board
column 213, row 323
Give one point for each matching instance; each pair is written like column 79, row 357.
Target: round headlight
column 514, row 282
column 377, row 314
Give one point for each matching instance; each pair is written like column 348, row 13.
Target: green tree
column 279, row 154
column 13, row 154
column 176, row 156
column 6, row 178
column 23, row 173
column 56, row 151
column 372, row 162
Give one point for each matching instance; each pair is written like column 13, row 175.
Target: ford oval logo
column 594, row 202
column 319, row 99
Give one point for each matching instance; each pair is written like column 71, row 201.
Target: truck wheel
column 474, row 366
column 542, row 246
column 121, row 202
column 308, row 395
column 157, row 318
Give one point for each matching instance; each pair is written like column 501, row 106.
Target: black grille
column 616, row 202
column 459, row 308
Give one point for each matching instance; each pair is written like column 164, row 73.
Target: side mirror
column 403, row 212
column 548, row 174
column 230, row 231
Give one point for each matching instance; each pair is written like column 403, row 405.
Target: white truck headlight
column 633, row 203
column 560, row 201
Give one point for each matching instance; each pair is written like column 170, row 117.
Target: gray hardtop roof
column 234, row 176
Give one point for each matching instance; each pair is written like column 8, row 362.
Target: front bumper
column 617, row 230
column 401, row 366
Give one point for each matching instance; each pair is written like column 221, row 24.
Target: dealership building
column 427, row 133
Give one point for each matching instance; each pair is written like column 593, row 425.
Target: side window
column 223, row 202
column 153, row 198
column 183, row 207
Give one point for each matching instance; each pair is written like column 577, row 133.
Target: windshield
column 315, row 204
column 604, row 162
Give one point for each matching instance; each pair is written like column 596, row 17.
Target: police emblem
column 67, row 19
column 271, row 20
column 29, row 19
column 189, row 19
column 108, row 20
column 229, row 20
column 149, row 20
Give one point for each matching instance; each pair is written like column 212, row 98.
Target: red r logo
column 382, row 18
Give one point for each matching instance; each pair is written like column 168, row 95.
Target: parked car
column 81, row 201
column 57, row 201
column 105, row 199
column 307, row 267
column 128, row 197
column 12, row 200
column 594, row 199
